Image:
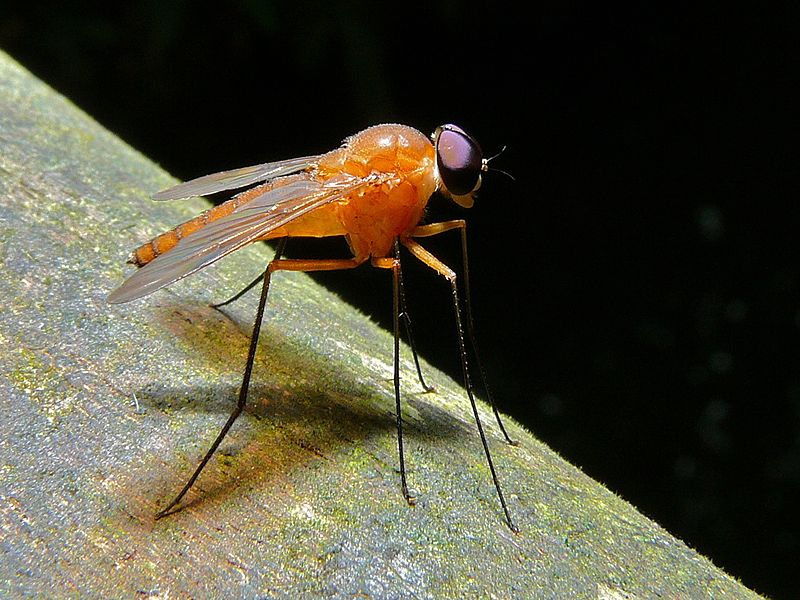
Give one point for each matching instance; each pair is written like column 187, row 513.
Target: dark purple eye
column 459, row 159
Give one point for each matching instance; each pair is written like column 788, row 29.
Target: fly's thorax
column 392, row 148
column 401, row 161
column 374, row 218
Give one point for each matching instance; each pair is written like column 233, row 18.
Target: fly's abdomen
column 166, row 241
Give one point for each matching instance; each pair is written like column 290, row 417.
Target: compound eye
column 459, row 159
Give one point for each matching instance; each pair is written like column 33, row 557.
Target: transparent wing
column 249, row 222
column 236, row 178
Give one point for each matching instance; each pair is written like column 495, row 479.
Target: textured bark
column 107, row 409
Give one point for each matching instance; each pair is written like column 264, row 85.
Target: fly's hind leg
column 277, row 264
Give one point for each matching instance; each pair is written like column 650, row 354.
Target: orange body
column 370, row 219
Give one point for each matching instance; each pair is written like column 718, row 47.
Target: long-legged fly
column 372, row 190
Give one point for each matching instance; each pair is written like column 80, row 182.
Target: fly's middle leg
column 394, row 265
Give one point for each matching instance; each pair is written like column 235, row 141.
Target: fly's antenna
column 503, row 149
column 485, row 165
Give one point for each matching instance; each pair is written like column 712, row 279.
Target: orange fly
column 372, row 190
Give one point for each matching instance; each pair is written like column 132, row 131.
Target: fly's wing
column 247, row 223
column 236, row 178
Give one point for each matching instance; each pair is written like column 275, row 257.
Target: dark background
column 637, row 288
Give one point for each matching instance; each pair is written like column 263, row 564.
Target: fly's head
column 459, row 164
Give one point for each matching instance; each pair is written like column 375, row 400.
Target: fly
column 373, row 191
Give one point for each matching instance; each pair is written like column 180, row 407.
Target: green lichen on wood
column 107, row 410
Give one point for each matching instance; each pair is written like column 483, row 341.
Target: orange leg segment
column 314, row 264
column 437, row 228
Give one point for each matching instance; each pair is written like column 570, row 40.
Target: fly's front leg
column 434, row 263
column 461, row 225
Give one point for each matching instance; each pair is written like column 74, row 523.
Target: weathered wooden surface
column 106, row 410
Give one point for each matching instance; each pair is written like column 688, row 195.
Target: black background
column 636, row 288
